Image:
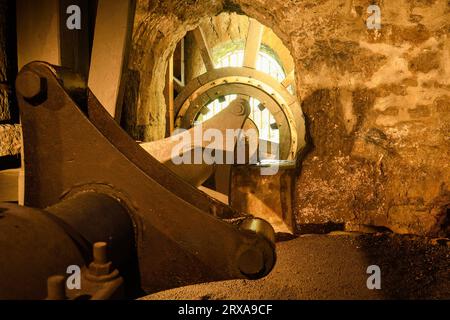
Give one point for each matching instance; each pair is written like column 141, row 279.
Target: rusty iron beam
column 178, row 243
column 152, row 167
column 43, row 243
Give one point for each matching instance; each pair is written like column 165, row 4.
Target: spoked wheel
column 244, row 81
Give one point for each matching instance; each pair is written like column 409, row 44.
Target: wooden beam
column 169, row 93
column 9, row 185
column 200, row 39
column 75, row 44
column 178, row 85
column 183, row 63
column 112, row 38
column 214, row 194
column 253, row 43
column 290, row 78
column 38, row 32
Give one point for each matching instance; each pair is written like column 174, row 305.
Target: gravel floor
column 335, row 267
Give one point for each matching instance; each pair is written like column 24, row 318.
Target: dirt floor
column 335, row 266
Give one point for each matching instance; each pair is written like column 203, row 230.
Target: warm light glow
column 262, row 118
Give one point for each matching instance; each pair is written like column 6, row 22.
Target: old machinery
column 232, row 118
column 246, row 82
column 90, row 183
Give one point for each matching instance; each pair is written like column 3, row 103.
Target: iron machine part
column 41, row 244
column 97, row 184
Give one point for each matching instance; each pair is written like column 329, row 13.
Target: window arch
column 262, row 117
column 265, row 63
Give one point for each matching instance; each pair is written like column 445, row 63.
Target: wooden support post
column 204, row 48
column 253, row 43
column 112, row 37
column 183, row 63
column 9, row 185
column 290, row 78
column 169, row 93
column 178, row 85
column 75, row 44
column 38, row 32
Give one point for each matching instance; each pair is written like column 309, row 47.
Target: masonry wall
column 377, row 103
column 4, row 94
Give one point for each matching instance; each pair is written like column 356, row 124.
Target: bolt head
column 28, row 84
column 99, row 270
column 251, row 263
column 100, row 252
column 56, row 288
column 32, row 87
column 238, row 109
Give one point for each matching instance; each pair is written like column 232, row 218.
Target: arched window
column 265, row 63
column 262, row 117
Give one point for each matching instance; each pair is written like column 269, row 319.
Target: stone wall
column 10, row 140
column 227, row 32
column 4, row 92
column 377, row 103
column 377, row 106
column 159, row 26
column 10, row 134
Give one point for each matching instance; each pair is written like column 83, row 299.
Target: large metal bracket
column 71, row 149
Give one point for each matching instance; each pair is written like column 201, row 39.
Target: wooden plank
column 205, row 52
column 178, row 62
column 169, row 94
column 38, row 31
column 9, row 185
column 290, row 78
column 75, row 44
column 214, row 194
column 178, row 85
column 112, row 38
column 183, row 63
column 253, row 43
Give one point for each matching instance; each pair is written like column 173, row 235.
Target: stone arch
column 157, row 30
column 359, row 88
